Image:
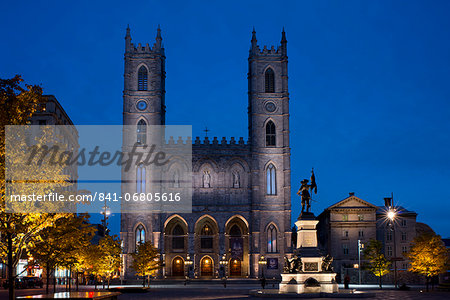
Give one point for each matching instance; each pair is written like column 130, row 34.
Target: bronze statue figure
column 293, row 265
column 326, row 263
column 303, row 192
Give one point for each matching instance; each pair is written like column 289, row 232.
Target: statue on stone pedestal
column 303, row 192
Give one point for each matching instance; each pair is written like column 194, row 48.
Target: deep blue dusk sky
column 369, row 81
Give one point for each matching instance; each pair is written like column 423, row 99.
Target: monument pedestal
column 313, row 273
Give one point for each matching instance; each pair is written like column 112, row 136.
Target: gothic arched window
column 270, row 134
column 271, row 180
column 271, row 239
column 178, row 237
column 140, row 235
column 235, row 231
column 206, row 240
column 142, row 78
column 141, row 132
column 270, row 81
column 140, row 179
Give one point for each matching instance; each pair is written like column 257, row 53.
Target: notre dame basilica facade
column 240, row 225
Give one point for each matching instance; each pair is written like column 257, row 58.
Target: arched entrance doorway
column 178, row 266
column 235, row 267
column 206, row 266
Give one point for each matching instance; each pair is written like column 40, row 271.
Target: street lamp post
column 360, row 247
column 188, row 264
column 262, row 262
column 392, row 214
column 223, row 263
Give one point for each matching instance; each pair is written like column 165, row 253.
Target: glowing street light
column 391, row 215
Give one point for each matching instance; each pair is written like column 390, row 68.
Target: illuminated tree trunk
column 10, row 266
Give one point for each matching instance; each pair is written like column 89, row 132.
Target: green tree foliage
column 146, row 260
column 429, row 256
column 377, row 262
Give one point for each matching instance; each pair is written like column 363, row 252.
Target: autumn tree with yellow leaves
column 21, row 231
column 146, row 261
column 429, row 256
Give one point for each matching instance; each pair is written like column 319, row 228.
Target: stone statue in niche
column 206, row 179
column 236, row 180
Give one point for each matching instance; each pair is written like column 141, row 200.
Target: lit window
column 345, row 218
column 140, row 179
column 140, row 235
column 141, row 132
column 361, row 217
column 142, row 78
column 270, row 81
column 271, row 180
column 206, row 240
column 271, row 239
column 270, row 134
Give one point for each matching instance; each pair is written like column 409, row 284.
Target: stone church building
column 240, row 225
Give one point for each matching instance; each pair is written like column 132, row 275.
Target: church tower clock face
column 270, row 107
column 141, row 105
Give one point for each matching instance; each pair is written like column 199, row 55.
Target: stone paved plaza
column 234, row 291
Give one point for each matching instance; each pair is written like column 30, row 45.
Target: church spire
column 254, row 49
column 158, row 38
column 283, row 43
column 128, row 39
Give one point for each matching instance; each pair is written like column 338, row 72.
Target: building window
column 42, row 122
column 178, row 237
column 404, row 249
column 403, row 236
column 345, row 218
column 270, row 134
column 270, row 81
column 142, row 78
column 403, row 223
column 141, row 132
column 389, row 235
column 140, row 179
column 361, row 217
column 361, row 233
column 345, row 249
column 345, row 233
column 206, row 240
column 271, row 180
column 271, row 239
column 140, row 235
column 389, row 250
column 405, row 266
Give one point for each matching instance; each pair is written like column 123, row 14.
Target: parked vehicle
column 25, row 283
column 32, row 282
